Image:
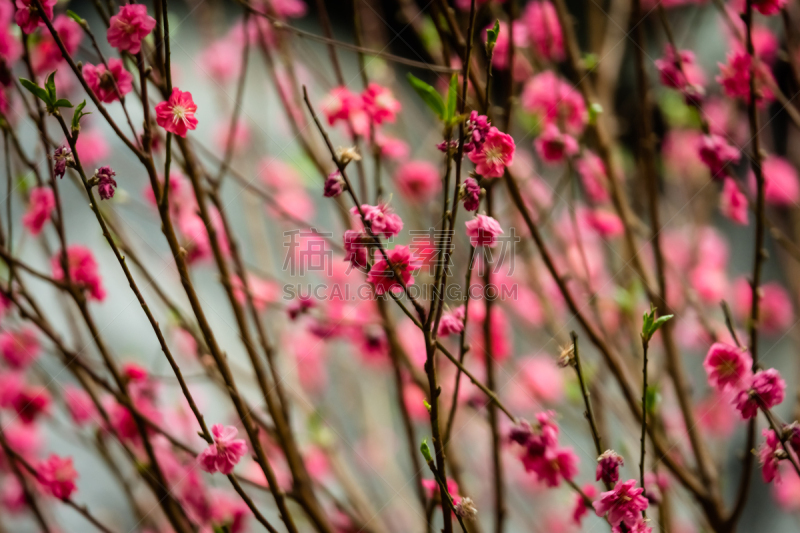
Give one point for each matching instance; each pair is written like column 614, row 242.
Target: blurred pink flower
column 418, row 181
column 225, row 453
column 58, row 476
column 42, row 203
column 129, row 27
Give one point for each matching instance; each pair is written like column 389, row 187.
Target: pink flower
column 340, row 104
column 735, row 77
column 483, row 231
column 471, row 194
column 769, row 7
column 418, row 181
column 781, row 187
column 92, row 147
column 544, row 30
column 580, row 509
column 553, row 146
column 624, row 503
column 355, row 247
column 105, row 182
column 42, row 203
column 30, row 402
column 541, row 378
column 769, row 455
column 593, row 176
column 608, row 467
column 727, row 366
column 384, row 278
column 496, row 153
column 775, row 313
column 501, row 47
column 555, row 102
column 58, row 476
column 382, row 220
column 108, row 84
column 129, row 27
column 380, row 104
column 83, row 270
column 606, row 223
column 452, row 322
column 639, row 527
column 28, row 17
column 432, row 489
column 684, row 75
column 554, row 464
column 733, row 202
column 767, row 390
column 717, row 154
column 288, row 8
column 225, row 453
column 46, row 54
column 19, row 348
column 176, row 115
column 10, row 48
column 79, row 404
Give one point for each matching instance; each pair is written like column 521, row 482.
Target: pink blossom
column 46, row 54
column 775, row 313
column 10, row 47
column 83, row 270
column 684, row 75
column 639, row 527
column 355, row 247
column 555, row 102
column 418, row 181
column 80, row 405
column 542, row 379
column 299, row 306
column 221, row 60
column 58, row 476
column 769, row 7
column 593, row 176
column 710, row 282
column 92, row 147
column 30, row 402
column 501, row 46
column 391, row 147
column 42, row 203
column 553, row 465
column 225, row 453
column 544, row 30
column 767, row 390
column 735, row 77
column 623, row 504
column 471, row 194
column 385, row 279
column 12, row 495
column 452, row 322
column 176, row 115
column 195, row 235
column 334, row 185
column 432, row 489
column 733, row 202
column 108, row 84
column 288, row 8
column 129, row 27
column 787, row 492
column 781, row 184
column 340, row 104
column 580, row 509
column 496, row 153
column 769, row 455
column 717, row 154
column 105, row 182
column 553, row 146
column 19, row 348
column 28, row 17
column 608, row 467
column 727, row 366
column 380, row 104
column 483, row 231
column 382, row 220
column 606, row 223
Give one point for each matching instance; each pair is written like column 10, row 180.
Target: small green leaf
column 594, row 111
column 62, row 102
column 590, row 61
column 452, row 98
column 491, row 37
column 78, row 115
column 50, row 86
column 651, row 399
column 426, row 452
column 651, row 324
column 37, row 91
column 429, row 95
column 427, row 405
column 74, row 16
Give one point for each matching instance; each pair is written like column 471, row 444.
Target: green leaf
column 74, row 16
column 594, row 111
column 651, row 324
column 429, row 95
column 37, row 91
column 651, row 399
column 78, row 115
column 491, row 37
column 452, row 98
column 62, row 102
column 426, row 452
column 50, row 86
